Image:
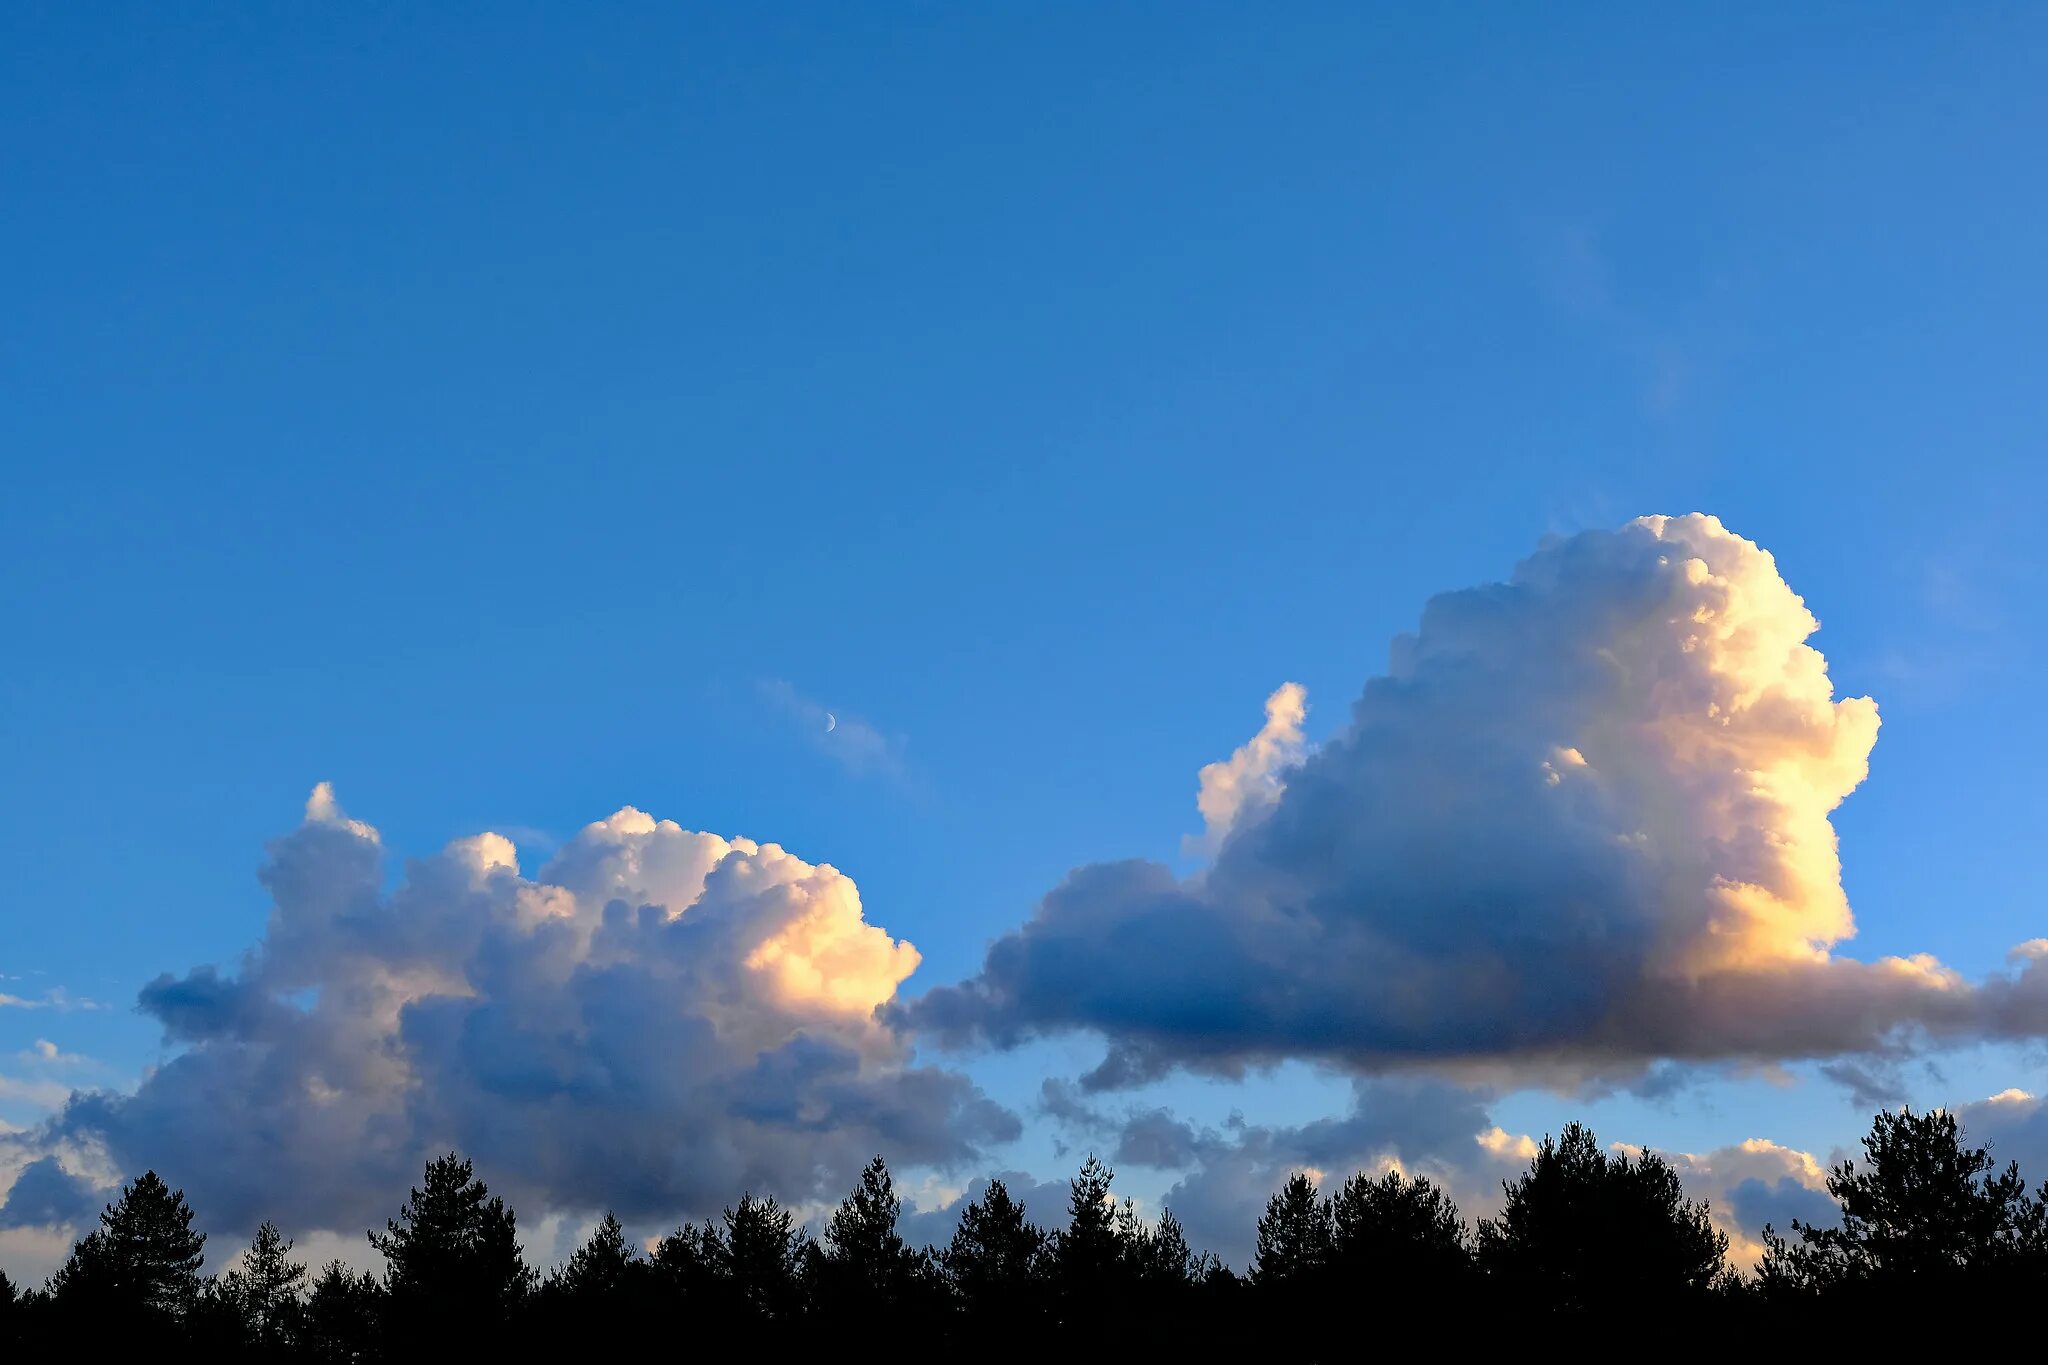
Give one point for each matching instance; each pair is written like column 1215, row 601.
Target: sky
column 903, row 446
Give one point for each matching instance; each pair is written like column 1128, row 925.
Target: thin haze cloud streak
column 56, row 998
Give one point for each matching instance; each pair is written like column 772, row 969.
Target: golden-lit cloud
column 1239, row 788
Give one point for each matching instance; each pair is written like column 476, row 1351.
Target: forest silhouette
column 1587, row 1241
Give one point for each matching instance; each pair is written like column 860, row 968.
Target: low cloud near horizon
column 1579, row 827
column 656, row 1021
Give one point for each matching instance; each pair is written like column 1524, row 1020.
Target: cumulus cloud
column 1580, row 824
column 1753, row 1183
column 656, row 1020
column 1244, row 786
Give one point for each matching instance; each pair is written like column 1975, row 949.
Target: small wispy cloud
column 36, row 1091
column 56, row 998
column 845, row 738
column 39, row 1082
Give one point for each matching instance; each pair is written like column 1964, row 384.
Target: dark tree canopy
column 995, row 1257
column 342, row 1320
column 863, row 1265
column 1087, row 1254
column 454, row 1259
column 761, row 1257
column 1294, row 1235
column 141, row 1264
column 1586, row 1229
column 1394, row 1230
column 603, row 1266
column 1925, row 1213
column 263, row 1293
column 692, row 1266
column 1589, row 1245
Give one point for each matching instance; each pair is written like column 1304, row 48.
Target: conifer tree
column 455, row 1267
column 762, row 1254
column 265, row 1289
column 1089, row 1254
column 1925, row 1213
column 601, row 1267
column 995, row 1258
column 341, row 1324
column 1399, row 1233
column 864, row 1263
column 1088, row 1248
column 1585, row 1229
column 693, row 1266
column 141, row 1264
column 1294, row 1236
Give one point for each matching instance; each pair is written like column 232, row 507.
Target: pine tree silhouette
column 1586, row 1230
column 138, row 1271
column 996, row 1262
column 1925, row 1216
column 455, row 1272
column 264, row 1292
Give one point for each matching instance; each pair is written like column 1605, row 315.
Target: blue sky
column 484, row 409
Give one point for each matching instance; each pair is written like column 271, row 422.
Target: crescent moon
column 831, row 722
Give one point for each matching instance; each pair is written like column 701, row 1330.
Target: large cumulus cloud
column 654, row 1022
column 1580, row 824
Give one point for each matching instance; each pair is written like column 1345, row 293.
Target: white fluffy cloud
column 1244, row 786
column 654, row 1022
column 1580, row 824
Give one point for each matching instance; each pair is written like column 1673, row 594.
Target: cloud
column 1418, row 1126
column 36, row 1091
column 1753, row 1183
column 1582, row 823
column 39, row 1087
column 655, row 1021
column 44, row 1194
column 2014, row 1125
column 1248, row 783
column 1421, row 1128
column 1044, row 1203
column 56, row 998
column 32, row 1254
column 1872, row 1083
column 848, row 740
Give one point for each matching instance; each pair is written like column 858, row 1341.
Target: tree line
column 1585, row 1239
